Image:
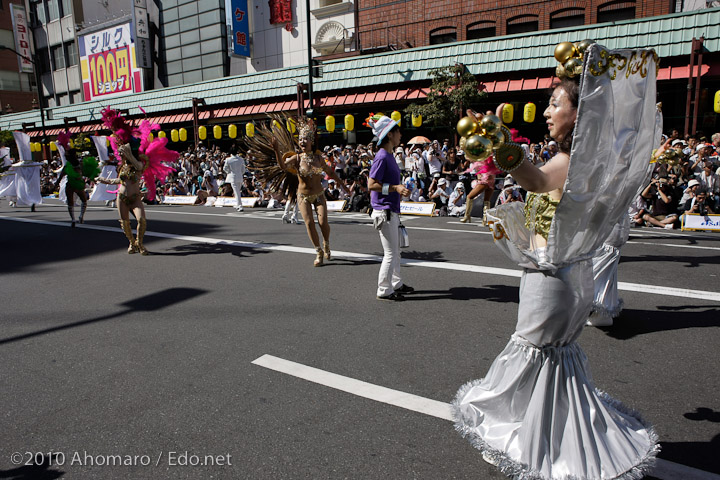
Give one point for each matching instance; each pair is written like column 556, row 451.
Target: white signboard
column 694, row 221
column 22, row 37
column 225, row 202
column 180, row 199
column 248, row 201
column 417, row 208
column 335, row 205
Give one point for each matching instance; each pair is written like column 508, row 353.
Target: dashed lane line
column 461, row 267
column 663, row 469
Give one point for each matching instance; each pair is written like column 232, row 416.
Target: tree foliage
column 453, row 90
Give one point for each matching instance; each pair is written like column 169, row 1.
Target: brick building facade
column 398, row 24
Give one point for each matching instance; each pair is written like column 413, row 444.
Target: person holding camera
column 664, row 203
column 699, row 204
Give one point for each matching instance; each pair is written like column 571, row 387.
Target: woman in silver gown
column 537, row 414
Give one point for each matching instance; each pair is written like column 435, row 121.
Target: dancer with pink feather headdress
column 143, row 158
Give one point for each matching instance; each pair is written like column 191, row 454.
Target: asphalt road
column 146, row 361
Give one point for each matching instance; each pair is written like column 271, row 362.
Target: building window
column 481, row 30
column 327, row 3
column 66, row 8
column 75, row 96
column 43, row 60
column 62, row 99
column 58, row 56
column 38, row 11
column 71, row 54
column 616, row 11
column 53, row 10
column 570, row 17
column 523, row 24
column 443, row 35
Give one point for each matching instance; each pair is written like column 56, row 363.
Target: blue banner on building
column 241, row 28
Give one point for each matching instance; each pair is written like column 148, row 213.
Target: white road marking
column 460, row 267
column 672, row 245
column 663, row 469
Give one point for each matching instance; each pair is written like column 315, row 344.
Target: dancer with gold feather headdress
column 275, row 170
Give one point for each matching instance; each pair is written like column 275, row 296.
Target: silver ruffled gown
column 537, row 414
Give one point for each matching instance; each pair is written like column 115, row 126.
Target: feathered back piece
column 155, row 149
column 64, row 140
column 158, row 155
column 261, row 154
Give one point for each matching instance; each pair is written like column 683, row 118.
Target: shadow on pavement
column 491, row 293
column 632, row 323
column 691, row 262
column 208, row 249
column 32, row 472
column 147, row 303
column 700, row 455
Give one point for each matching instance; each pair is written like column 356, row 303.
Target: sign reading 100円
column 108, row 65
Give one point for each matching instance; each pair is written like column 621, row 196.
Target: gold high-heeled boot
column 128, row 233
column 326, row 249
column 142, row 226
column 319, row 257
column 468, row 211
column 486, row 207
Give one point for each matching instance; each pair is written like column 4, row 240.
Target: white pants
column 389, row 277
column 237, row 190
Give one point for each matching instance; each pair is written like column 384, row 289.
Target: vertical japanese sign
column 142, row 34
column 107, row 64
column 241, row 28
column 22, row 37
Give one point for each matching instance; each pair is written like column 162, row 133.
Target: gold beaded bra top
column 306, row 169
column 539, row 212
column 128, row 172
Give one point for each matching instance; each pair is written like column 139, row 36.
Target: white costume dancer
column 27, row 174
column 537, row 413
column 235, row 172
column 7, row 175
column 109, row 172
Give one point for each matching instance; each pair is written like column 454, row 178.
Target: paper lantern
column 53, row 146
column 87, row 142
column 250, row 130
column 507, row 113
column 217, row 132
column 349, row 123
column 276, row 124
column 717, row 101
column 202, row 132
column 291, row 125
column 183, row 135
column 174, row 136
column 232, row 131
column 161, row 134
column 107, row 141
column 330, row 123
column 397, row 116
column 416, row 120
column 71, row 144
column 529, row 112
column 151, row 136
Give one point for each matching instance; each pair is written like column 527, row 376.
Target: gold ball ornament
column 490, row 124
column 463, row 140
column 477, row 148
column 583, row 46
column 497, row 138
column 560, row 72
column 573, row 67
column 467, row 126
column 565, row 51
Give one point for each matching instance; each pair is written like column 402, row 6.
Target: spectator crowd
column 440, row 173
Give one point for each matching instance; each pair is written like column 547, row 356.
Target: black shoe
column 32, row 207
column 394, row 297
column 405, row 289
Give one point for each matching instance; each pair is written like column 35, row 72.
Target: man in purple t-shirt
column 386, row 189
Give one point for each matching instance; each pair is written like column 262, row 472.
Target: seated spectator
column 440, row 194
column 456, row 202
column 510, row 192
column 359, row 194
column 451, row 167
column 699, row 204
column 332, row 192
column 710, row 182
column 663, row 210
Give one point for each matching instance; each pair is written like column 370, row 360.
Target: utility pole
column 309, row 111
